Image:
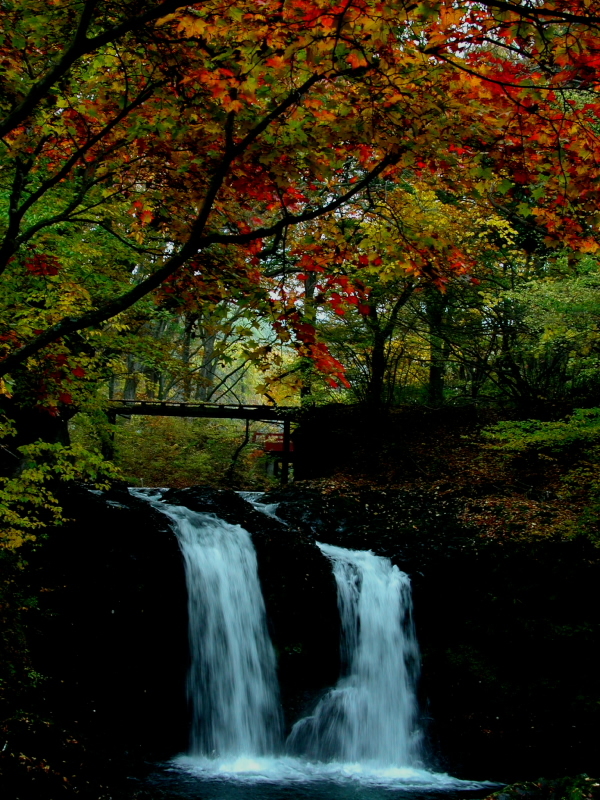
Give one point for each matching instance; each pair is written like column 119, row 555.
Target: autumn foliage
column 165, row 153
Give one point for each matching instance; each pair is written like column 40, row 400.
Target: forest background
column 383, row 205
column 373, row 203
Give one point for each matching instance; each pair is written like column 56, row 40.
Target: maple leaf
column 42, row 264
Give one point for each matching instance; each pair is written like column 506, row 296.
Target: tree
column 400, row 266
column 139, row 139
column 103, row 128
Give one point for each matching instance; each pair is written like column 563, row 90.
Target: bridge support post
column 285, row 462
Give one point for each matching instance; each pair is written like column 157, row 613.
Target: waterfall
column 370, row 715
column 362, row 730
column 232, row 683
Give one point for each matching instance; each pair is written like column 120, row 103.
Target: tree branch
column 80, row 46
column 81, row 151
column 398, row 305
column 196, row 241
column 306, row 216
column 540, row 12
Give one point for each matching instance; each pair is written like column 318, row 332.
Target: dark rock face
column 111, row 635
column 506, row 627
column 112, row 626
column 356, row 440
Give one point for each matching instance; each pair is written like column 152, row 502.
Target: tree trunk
column 186, row 354
column 230, row 474
column 310, row 317
column 435, row 306
column 382, row 331
column 206, row 373
column 378, row 367
column 131, row 381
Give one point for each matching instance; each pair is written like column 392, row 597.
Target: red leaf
column 41, row 264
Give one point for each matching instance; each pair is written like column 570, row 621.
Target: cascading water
column 370, row 715
column 232, row 682
column 269, row 509
column 362, row 731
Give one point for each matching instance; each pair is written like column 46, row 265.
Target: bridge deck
column 175, row 408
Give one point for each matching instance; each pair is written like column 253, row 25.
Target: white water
column 270, row 509
column 292, row 770
column 370, row 715
column 232, row 683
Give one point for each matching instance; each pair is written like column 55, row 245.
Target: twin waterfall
column 370, row 715
column 368, row 718
column 232, row 683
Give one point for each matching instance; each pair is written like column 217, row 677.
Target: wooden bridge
column 176, row 408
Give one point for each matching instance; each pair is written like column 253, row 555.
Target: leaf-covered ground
column 504, row 494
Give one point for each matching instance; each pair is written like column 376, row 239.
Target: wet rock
column 580, row 787
column 109, row 634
